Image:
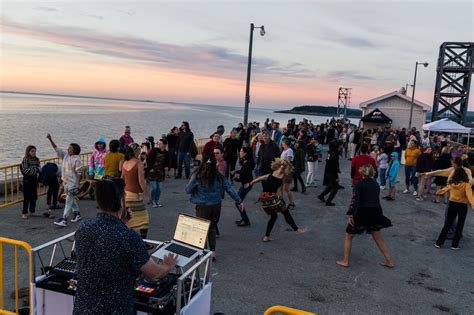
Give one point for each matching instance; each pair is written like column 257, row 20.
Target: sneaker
column 154, row 204
column 415, row 193
column 321, row 198
column 406, row 191
column 419, row 198
column 159, row 205
column 455, row 248
column 61, row 222
column 436, row 245
column 77, row 217
column 382, row 187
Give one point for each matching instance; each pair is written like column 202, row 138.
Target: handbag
column 272, row 203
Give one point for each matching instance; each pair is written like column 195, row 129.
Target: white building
column 396, row 106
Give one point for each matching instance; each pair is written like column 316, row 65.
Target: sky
column 196, row 51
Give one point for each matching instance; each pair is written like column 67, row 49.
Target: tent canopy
column 376, row 116
column 446, row 125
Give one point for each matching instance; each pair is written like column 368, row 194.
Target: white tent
column 446, row 125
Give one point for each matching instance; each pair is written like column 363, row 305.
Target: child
column 49, row 177
column 392, row 173
column 382, row 162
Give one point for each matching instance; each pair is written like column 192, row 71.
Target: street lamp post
column 425, row 64
column 249, row 66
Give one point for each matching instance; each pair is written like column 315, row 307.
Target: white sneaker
column 159, row 205
column 406, row 191
column 77, row 217
column 415, row 193
column 61, row 222
column 154, row 204
column 382, row 187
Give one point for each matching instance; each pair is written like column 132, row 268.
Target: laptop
column 189, row 240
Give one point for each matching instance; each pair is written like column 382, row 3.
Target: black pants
column 455, row 209
column 274, row 217
column 296, row 178
column 242, row 193
column 211, row 213
column 331, row 189
column 30, row 194
column 53, row 190
column 231, row 162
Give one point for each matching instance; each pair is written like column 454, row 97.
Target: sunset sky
column 196, row 51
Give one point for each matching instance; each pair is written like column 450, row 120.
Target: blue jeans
column 382, row 176
column 410, row 177
column 183, row 157
column 155, row 188
column 242, row 193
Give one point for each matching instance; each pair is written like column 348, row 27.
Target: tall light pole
column 425, row 64
column 249, row 66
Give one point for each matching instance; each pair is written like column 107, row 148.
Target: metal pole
column 247, row 88
column 412, row 97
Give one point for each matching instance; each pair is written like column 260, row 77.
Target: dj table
column 186, row 292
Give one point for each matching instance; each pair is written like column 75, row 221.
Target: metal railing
column 28, row 250
column 11, row 177
column 286, row 310
column 11, row 180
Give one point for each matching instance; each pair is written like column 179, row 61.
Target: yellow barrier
column 286, row 310
column 27, row 248
column 12, row 177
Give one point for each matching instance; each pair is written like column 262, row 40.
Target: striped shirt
column 30, row 166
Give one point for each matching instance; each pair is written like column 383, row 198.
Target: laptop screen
column 191, row 231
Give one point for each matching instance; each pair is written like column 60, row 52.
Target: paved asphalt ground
column 300, row 270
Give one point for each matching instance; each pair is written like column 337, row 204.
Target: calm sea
column 26, row 119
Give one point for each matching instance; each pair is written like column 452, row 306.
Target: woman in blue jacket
column 392, row 173
column 205, row 187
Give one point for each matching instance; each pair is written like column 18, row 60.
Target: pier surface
column 300, row 270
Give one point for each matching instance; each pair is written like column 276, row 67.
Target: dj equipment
column 155, row 296
column 61, row 277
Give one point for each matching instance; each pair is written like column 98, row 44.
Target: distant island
column 316, row 110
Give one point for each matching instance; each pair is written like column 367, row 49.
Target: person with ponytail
column 133, row 174
column 205, row 187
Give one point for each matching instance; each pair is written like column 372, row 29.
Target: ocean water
column 26, row 119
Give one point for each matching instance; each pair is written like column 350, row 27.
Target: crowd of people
column 276, row 157
column 125, row 177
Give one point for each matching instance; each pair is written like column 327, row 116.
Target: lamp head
column 262, row 30
column 425, row 64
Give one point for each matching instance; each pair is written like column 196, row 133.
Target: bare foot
column 267, row 239
column 343, row 263
column 387, row 264
column 300, row 231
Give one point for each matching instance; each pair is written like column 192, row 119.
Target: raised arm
column 48, row 136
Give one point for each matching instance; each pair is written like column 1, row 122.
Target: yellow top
column 111, row 163
column 449, row 172
column 411, row 155
column 460, row 192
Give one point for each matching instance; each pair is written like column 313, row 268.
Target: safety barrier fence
column 11, row 177
column 16, row 244
column 286, row 311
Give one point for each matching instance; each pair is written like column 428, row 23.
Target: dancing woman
column 271, row 201
column 365, row 214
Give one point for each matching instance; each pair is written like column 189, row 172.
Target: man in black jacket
column 331, row 173
column 183, row 147
column 267, row 153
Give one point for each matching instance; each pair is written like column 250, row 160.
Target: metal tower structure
column 453, row 81
column 343, row 99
